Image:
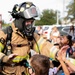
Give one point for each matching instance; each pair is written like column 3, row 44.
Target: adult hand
column 11, row 56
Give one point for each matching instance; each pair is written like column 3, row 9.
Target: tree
column 48, row 17
column 4, row 24
column 71, row 10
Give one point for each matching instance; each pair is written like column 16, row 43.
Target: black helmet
column 22, row 13
column 26, row 10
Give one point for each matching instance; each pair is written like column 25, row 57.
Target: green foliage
column 48, row 17
column 71, row 9
column 5, row 24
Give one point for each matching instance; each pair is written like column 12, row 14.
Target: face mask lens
column 28, row 25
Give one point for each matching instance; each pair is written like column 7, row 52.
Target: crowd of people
column 26, row 51
column 64, row 47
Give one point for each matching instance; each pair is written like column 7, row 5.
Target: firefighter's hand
column 11, row 56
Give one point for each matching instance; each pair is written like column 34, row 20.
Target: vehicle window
column 46, row 28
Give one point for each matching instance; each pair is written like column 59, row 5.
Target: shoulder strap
column 8, row 30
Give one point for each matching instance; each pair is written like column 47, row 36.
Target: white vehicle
column 47, row 30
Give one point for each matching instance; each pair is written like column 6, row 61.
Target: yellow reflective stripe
column 1, row 47
column 17, row 59
column 72, row 60
column 40, row 44
column 53, row 51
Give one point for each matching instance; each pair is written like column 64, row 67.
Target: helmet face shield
column 32, row 12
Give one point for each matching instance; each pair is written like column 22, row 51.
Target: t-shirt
column 53, row 71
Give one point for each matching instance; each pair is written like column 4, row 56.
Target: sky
column 7, row 5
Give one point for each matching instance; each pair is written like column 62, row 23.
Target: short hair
column 41, row 64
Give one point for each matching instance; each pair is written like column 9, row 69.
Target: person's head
column 38, row 28
column 54, row 29
column 66, row 40
column 40, row 64
column 25, row 15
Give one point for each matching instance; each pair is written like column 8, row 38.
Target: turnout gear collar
column 28, row 30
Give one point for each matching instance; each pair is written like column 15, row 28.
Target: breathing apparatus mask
column 22, row 13
column 29, row 30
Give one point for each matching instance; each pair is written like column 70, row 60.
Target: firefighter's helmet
column 26, row 10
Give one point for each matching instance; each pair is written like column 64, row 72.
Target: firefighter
column 17, row 39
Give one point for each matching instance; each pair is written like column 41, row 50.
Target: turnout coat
column 21, row 47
